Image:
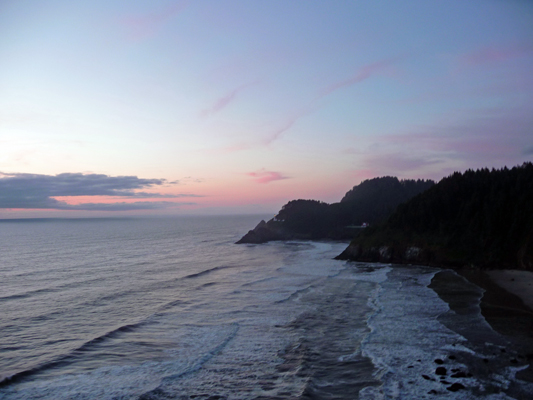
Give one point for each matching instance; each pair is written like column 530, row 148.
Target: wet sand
column 504, row 305
column 519, row 283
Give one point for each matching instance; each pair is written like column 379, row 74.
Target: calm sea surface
column 172, row 308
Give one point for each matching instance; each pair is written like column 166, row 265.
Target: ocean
column 171, row 308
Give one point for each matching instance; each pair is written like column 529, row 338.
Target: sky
column 163, row 107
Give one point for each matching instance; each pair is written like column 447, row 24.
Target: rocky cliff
column 263, row 233
column 371, row 201
column 481, row 218
column 396, row 255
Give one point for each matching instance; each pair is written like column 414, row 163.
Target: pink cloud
column 266, row 140
column 486, row 134
column 494, row 54
column 141, row 27
column 225, row 100
column 482, row 138
column 364, row 73
column 285, row 127
column 456, row 142
column 263, row 176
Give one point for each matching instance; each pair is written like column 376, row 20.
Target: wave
column 206, row 285
column 295, row 294
column 195, row 367
column 205, row 272
column 49, row 289
column 116, row 295
column 71, row 356
column 257, row 281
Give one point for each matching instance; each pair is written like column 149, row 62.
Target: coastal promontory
column 368, row 203
column 481, row 219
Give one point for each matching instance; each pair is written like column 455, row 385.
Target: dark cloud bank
column 33, row 191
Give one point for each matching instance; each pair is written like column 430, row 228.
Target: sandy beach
column 519, row 283
column 507, row 305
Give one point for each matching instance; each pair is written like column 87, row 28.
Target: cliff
column 479, row 218
column 263, row 233
column 369, row 202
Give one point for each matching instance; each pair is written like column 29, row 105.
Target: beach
column 504, row 304
column 519, row 283
column 158, row 309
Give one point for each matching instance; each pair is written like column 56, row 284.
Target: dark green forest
column 371, row 201
column 482, row 218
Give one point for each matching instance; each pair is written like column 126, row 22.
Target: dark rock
column 452, row 357
column 390, row 254
column 432, row 391
column 445, row 382
column 455, row 387
column 262, row 233
column 440, row 371
column 427, row 378
column 439, row 361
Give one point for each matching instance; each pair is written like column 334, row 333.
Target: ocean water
column 173, row 309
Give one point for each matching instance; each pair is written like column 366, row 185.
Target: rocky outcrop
column 264, row 232
column 371, row 201
column 395, row 255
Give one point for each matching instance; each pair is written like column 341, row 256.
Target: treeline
column 371, row 201
column 482, row 218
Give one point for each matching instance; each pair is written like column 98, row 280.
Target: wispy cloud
column 495, row 54
column 35, row 191
column 289, row 123
column 225, row 100
column 264, row 176
column 476, row 139
column 362, row 74
column 144, row 26
column 488, row 134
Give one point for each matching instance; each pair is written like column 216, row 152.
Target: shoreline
column 517, row 282
column 503, row 303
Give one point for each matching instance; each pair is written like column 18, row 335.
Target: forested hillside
column 371, row 201
column 482, row 218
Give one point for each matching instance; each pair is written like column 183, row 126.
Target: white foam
column 405, row 337
column 377, row 273
column 198, row 345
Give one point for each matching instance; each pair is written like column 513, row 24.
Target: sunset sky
column 217, row 106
